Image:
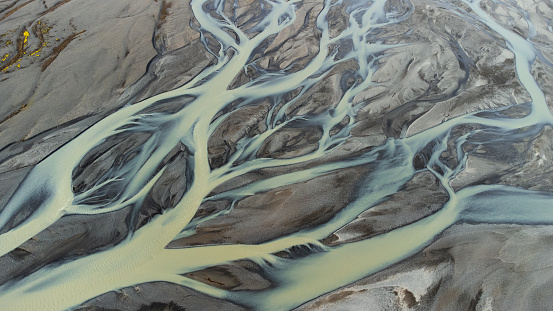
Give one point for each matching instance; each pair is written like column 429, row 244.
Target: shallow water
column 143, row 257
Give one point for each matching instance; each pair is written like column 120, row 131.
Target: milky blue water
column 142, row 257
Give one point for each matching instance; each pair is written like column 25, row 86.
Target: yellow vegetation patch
column 25, row 36
column 21, row 47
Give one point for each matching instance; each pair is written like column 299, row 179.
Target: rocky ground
column 66, row 64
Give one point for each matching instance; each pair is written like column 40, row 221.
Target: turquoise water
column 142, row 257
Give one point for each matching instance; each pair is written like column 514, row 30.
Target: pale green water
column 143, row 257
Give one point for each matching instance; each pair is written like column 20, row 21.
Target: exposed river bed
column 273, row 155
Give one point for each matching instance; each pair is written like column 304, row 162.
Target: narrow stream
column 143, row 256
